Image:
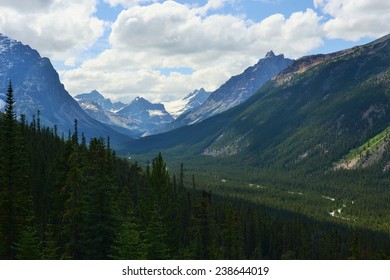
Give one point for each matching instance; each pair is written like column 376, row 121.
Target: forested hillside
column 314, row 138
column 64, row 198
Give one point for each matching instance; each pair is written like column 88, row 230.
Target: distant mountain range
column 104, row 111
column 309, row 116
column 37, row 86
column 141, row 118
column 97, row 98
column 137, row 119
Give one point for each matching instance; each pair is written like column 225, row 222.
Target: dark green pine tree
column 49, row 245
column 15, row 201
column 129, row 244
column 233, row 237
column 102, row 211
column 160, row 176
column 75, row 208
column 156, row 238
column 203, row 232
column 75, row 136
column 170, row 204
column 28, row 245
column 181, row 177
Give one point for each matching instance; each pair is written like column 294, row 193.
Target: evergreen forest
column 68, row 197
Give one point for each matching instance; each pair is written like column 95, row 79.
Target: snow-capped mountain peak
column 137, row 119
column 140, row 107
column 188, row 103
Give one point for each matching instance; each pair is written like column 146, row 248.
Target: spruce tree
column 203, row 232
column 15, row 201
column 233, row 237
column 129, row 244
column 49, row 245
column 156, row 238
column 160, row 176
column 28, row 246
column 75, row 208
column 102, row 212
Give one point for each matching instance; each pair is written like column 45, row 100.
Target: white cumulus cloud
column 355, row 19
column 55, row 28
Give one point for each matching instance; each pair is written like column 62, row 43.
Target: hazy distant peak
column 93, row 95
column 195, row 93
column 270, row 54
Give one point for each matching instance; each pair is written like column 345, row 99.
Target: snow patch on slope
column 156, row 113
column 186, row 104
column 175, row 107
column 6, row 43
column 2, row 105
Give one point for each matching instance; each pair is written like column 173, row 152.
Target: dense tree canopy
column 69, row 199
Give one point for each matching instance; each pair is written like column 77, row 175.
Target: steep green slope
column 320, row 114
column 310, row 115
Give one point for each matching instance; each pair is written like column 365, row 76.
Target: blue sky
column 162, row 50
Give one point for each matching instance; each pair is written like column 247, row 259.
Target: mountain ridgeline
column 97, row 98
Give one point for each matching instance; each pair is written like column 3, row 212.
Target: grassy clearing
column 370, row 145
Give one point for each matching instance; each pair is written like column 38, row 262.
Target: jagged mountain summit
column 105, row 111
column 37, row 87
column 236, row 90
column 96, row 97
column 190, row 102
column 148, row 115
column 117, row 122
